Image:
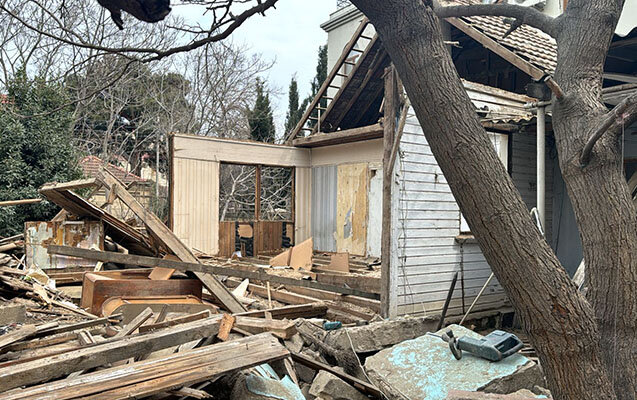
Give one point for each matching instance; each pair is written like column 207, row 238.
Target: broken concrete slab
column 330, row 387
column 523, row 394
column 295, row 343
column 255, row 387
column 13, row 314
column 424, row 368
column 380, row 335
column 527, row 377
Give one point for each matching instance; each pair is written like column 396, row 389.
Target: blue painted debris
column 424, row 368
column 283, row 389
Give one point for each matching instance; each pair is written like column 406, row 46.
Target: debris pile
column 98, row 308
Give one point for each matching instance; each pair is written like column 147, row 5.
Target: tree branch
column 624, row 114
column 522, row 15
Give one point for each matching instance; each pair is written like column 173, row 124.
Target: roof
column 531, row 44
column 91, row 166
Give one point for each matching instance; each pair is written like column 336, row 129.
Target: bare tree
column 587, row 346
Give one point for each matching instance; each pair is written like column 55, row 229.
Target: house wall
column 427, row 252
column 347, row 197
column 195, row 184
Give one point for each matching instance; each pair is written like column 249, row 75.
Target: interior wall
column 195, row 203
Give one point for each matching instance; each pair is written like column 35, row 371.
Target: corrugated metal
column 428, row 223
column 303, row 204
column 324, row 180
column 196, row 203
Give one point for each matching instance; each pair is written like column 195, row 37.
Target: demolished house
column 324, row 267
column 336, row 157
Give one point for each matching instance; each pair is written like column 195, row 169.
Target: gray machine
column 496, row 346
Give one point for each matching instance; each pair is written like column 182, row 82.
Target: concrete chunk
column 519, row 395
column 330, row 387
column 13, row 314
column 424, row 368
column 380, row 335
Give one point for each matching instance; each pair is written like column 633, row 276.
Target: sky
column 290, row 35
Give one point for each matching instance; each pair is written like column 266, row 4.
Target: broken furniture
column 98, row 287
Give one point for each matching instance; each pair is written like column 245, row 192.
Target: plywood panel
column 351, row 214
column 195, row 203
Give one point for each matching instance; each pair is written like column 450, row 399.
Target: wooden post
column 389, row 130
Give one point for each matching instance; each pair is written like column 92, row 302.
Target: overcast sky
column 290, row 35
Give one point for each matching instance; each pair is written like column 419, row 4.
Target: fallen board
column 258, row 274
column 112, row 350
column 148, row 377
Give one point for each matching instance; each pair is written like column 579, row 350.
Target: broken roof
column 91, row 166
column 530, row 44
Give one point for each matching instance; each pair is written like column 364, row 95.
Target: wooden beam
column 144, row 378
column 164, row 235
column 258, row 274
column 112, row 350
column 72, row 185
column 346, row 136
column 309, row 310
column 19, row 202
column 525, row 66
column 390, row 105
column 328, row 81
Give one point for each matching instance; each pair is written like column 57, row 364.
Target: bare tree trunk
column 600, row 195
column 559, row 320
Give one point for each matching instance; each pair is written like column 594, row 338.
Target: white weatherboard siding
column 428, row 223
column 524, row 174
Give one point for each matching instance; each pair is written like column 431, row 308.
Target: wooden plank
column 17, row 335
column 258, row 274
column 363, row 283
column 135, row 323
column 279, row 328
column 361, row 386
column 310, row 310
column 170, row 241
column 148, row 377
column 339, row 262
column 103, row 353
column 74, row 327
column 344, row 136
column 71, row 185
column 227, row 323
column 19, row 202
column 281, row 260
column 174, row 321
column 373, row 305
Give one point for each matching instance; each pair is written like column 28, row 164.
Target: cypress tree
column 295, row 112
column 317, row 82
column 260, row 118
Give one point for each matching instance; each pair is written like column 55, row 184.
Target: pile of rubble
column 100, row 308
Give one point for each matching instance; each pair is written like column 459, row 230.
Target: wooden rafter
column 329, row 81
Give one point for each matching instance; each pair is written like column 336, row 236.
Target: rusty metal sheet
column 38, row 235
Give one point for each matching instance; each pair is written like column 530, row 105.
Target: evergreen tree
column 260, row 118
column 295, row 112
column 34, row 150
column 317, row 82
